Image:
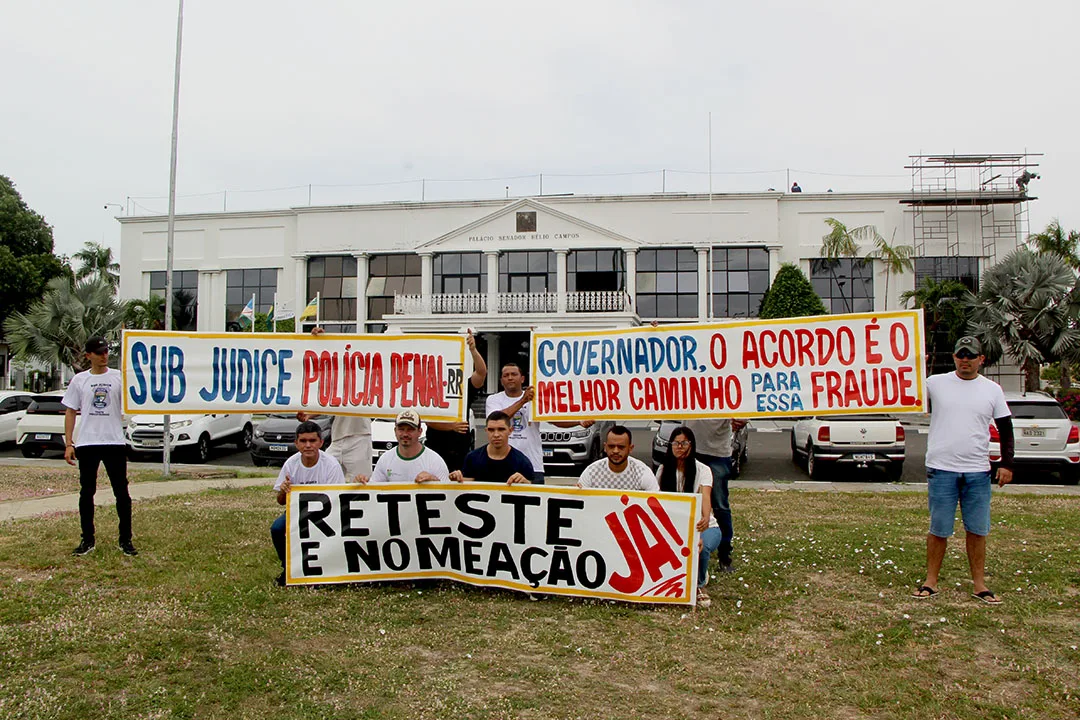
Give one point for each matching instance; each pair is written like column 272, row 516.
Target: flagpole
column 275, row 312
column 166, row 445
column 254, row 311
column 318, row 308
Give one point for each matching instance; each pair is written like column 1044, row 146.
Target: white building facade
column 503, row 267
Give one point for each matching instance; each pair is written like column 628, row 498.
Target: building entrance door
column 513, row 347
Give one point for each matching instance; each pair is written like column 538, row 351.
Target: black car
column 275, row 437
column 739, row 442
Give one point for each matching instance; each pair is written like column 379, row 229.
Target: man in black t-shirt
column 496, row 461
column 453, row 440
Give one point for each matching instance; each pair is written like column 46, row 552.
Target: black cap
column 969, row 343
column 97, row 345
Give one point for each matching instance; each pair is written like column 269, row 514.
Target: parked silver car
column 1045, row 437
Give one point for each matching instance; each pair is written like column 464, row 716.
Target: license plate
column 153, row 443
column 279, row 448
column 43, row 436
column 863, row 457
column 549, row 453
column 1033, row 432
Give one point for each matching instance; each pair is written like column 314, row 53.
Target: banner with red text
column 613, row 544
column 369, row 375
column 834, row 364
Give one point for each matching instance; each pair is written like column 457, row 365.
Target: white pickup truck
column 822, row 443
column 191, row 434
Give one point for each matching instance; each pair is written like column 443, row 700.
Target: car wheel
column 1071, row 477
column 244, row 441
column 894, row 471
column 258, row 461
column 31, row 451
column 814, row 467
column 795, row 456
column 736, row 465
column 201, row 452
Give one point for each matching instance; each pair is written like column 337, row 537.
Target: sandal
column 925, row 592
column 988, row 597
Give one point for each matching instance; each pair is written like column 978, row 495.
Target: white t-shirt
column 345, row 426
column 524, row 435
column 636, row 476
column 702, row 477
column 960, row 415
column 325, row 471
column 713, row 436
column 99, row 399
column 392, row 468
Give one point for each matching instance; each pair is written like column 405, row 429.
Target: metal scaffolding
column 945, row 188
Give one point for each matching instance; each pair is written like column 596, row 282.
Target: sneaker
column 727, row 568
column 128, row 549
column 703, row 600
column 280, row 579
column 85, row 547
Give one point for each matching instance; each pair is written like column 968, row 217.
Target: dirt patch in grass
column 25, row 482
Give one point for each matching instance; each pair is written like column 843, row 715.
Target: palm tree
column 55, row 328
column 1028, row 307
column 145, row 314
column 841, row 242
column 97, row 261
column 944, row 304
column 897, row 258
column 1054, row 241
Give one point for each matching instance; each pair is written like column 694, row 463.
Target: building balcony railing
column 512, row 303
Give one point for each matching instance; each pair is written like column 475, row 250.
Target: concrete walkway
column 16, row 509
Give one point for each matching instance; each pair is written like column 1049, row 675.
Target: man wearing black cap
column 96, row 395
column 962, row 405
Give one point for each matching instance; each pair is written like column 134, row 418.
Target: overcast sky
column 351, row 93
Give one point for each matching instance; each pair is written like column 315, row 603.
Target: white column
column 631, row 277
column 492, row 299
column 425, row 280
column 300, row 298
column 492, row 360
column 774, row 263
column 703, row 283
column 560, row 280
column 211, row 315
column 361, row 291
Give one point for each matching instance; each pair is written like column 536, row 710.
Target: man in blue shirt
column 496, row 461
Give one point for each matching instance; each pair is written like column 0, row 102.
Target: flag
column 283, row 311
column 270, row 315
column 312, row 309
column 248, row 312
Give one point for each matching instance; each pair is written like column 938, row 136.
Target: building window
column 595, row 270
column 526, row 222
column 240, row 285
column 740, row 277
column 964, row 270
column 389, row 275
column 527, row 271
column 667, row 283
column 845, row 285
column 185, row 296
column 459, row 273
column 333, row 277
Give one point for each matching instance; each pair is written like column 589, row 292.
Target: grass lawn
column 24, row 482
column 816, row 623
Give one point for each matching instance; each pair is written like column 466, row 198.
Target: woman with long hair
column 681, row 471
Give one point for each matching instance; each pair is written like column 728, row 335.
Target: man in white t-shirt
column 962, row 405
column 410, row 461
column 97, row 396
column 309, row 466
column 514, row 401
column 619, row 471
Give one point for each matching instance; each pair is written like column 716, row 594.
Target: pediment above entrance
column 527, row 225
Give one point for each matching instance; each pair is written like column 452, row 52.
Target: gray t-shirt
column 713, row 436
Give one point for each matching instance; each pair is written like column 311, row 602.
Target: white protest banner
column 622, row 545
column 368, row 375
column 834, row 364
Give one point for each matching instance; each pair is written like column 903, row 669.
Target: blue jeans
column 277, row 534
column 710, row 540
column 721, row 471
column 944, row 489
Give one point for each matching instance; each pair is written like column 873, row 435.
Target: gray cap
column 969, row 343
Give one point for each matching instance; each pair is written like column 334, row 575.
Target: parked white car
column 822, row 443
column 1045, row 437
column 41, row 427
column 13, row 404
column 191, row 434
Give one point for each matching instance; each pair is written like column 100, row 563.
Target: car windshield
column 1037, row 411
column 46, row 406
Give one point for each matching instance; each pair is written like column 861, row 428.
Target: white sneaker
column 703, row 600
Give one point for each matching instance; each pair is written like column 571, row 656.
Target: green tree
column 55, row 328
column 145, row 314
column 945, row 315
column 96, row 260
column 790, row 295
column 27, row 262
column 896, row 258
column 1027, row 307
column 841, row 242
column 1055, row 241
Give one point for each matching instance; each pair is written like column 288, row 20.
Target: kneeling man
column 496, row 461
column 619, row 471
